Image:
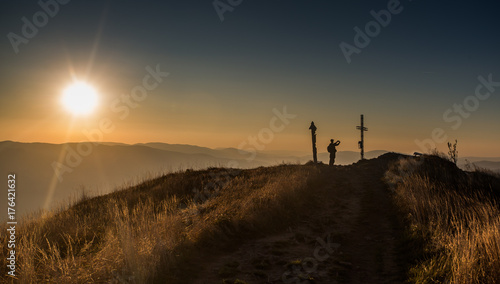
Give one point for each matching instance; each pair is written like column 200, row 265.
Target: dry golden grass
column 156, row 230
column 165, row 229
column 457, row 216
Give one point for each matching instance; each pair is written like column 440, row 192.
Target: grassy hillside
column 264, row 225
column 49, row 174
column 453, row 219
column 150, row 231
column 104, row 168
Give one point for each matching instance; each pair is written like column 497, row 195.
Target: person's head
column 331, row 140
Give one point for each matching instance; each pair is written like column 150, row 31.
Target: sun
column 80, row 98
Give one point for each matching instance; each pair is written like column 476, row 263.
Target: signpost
column 361, row 144
column 313, row 134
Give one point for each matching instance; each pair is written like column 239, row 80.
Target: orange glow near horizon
column 175, row 116
column 286, row 141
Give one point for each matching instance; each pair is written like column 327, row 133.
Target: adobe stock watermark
column 308, row 265
column 372, row 29
column 458, row 112
column 120, row 106
column 40, row 19
column 248, row 147
column 265, row 136
column 223, row 6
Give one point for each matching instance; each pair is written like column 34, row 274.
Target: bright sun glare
column 79, row 98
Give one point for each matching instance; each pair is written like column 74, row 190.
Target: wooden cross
column 361, row 144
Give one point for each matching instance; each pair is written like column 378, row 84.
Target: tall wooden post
column 361, row 143
column 313, row 134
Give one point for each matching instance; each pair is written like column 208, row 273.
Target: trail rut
column 349, row 237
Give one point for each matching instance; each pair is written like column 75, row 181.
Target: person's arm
column 337, row 143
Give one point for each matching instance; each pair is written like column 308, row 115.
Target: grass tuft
column 455, row 215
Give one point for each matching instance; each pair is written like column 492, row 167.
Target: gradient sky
column 226, row 77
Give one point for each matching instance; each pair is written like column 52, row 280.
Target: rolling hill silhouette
column 375, row 221
column 116, row 165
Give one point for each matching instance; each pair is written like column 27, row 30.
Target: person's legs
column 332, row 159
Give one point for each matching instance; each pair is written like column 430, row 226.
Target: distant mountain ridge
column 107, row 167
column 489, row 165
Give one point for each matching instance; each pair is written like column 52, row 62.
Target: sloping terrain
column 283, row 224
column 349, row 235
column 51, row 174
column 452, row 218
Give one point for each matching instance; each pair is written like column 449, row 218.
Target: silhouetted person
column 332, row 150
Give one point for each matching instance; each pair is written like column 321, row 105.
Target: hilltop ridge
column 53, row 173
column 280, row 224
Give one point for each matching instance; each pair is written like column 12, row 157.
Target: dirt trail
column 350, row 237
